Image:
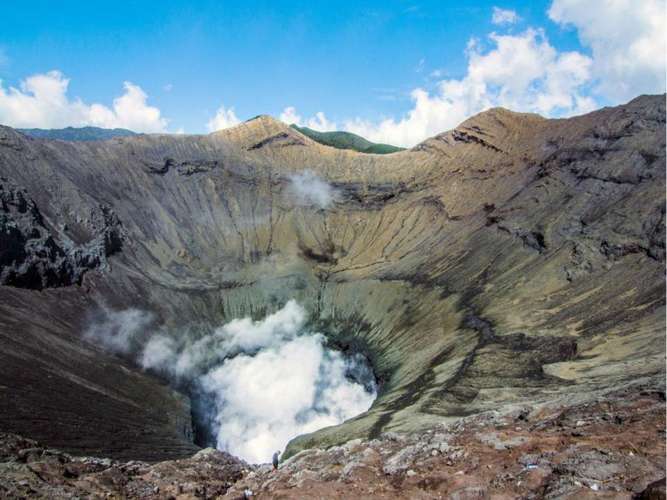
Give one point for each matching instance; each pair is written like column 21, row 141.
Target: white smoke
column 283, row 391
column 307, row 189
column 269, row 380
column 190, row 358
column 118, row 331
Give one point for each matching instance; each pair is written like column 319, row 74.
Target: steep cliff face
column 514, row 259
column 33, row 257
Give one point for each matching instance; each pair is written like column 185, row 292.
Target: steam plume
column 308, row 189
column 267, row 381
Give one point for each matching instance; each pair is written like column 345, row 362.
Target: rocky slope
column 612, row 447
column 512, row 261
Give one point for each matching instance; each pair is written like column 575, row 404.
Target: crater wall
column 513, row 260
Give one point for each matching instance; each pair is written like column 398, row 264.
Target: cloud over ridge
column 621, row 54
column 42, row 101
column 521, row 72
column 224, row 118
column 525, row 72
column 627, row 40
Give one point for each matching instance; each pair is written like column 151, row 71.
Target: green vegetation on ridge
column 347, row 140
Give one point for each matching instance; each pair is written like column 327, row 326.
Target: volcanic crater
column 513, row 261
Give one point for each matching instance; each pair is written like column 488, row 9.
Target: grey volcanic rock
column 35, row 256
column 28, row 469
column 509, row 262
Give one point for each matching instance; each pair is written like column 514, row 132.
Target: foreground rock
column 28, row 470
column 611, row 447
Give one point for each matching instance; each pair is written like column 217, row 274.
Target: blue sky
column 355, row 62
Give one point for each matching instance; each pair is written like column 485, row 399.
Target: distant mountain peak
column 77, row 133
column 346, row 140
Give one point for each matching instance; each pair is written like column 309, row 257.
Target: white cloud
column 521, row 72
column 42, row 101
column 524, row 72
column 430, row 115
column 224, row 118
column 168, row 87
column 627, row 39
column 504, row 16
column 290, row 116
column 318, row 122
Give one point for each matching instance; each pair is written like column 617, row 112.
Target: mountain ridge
column 77, row 133
column 347, row 140
column 340, row 140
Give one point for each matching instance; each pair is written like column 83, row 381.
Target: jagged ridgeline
column 512, row 260
column 339, row 140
